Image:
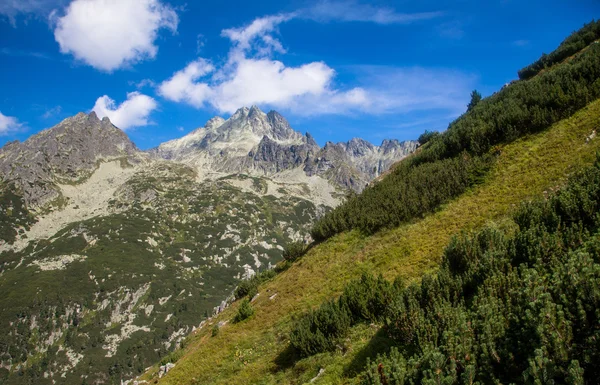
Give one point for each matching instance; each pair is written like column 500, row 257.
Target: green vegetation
column 323, row 329
column 333, row 313
column 244, row 312
column 294, row 250
column 453, row 161
column 571, row 45
column 151, row 271
column 475, row 99
column 526, row 168
column 13, row 213
column 505, row 306
column 405, row 194
column 427, row 136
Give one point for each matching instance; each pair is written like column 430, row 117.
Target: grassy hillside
column 257, row 350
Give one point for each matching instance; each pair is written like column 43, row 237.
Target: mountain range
column 127, row 251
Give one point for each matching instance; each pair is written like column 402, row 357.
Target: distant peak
column 82, row 116
column 215, row 122
column 358, row 141
column 92, row 115
column 241, row 112
column 274, row 114
column 310, row 139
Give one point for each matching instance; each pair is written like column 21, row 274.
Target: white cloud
column 182, row 87
column 143, row 83
column 112, row 34
column 327, row 11
column 9, row 124
column 133, row 112
column 250, row 75
column 257, row 35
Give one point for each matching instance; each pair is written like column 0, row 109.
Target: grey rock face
column 251, row 141
column 64, row 153
column 272, row 157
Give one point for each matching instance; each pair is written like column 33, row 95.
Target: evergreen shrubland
column 294, row 250
column 245, row 311
column 506, row 306
column 577, row 41
column 451, row 162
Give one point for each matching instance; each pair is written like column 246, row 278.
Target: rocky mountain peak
column 65, row 152
column 241, row 113
column 310, row 140
column 255, row 112
column 214, row 123
column 358, row 147
column 251, row 141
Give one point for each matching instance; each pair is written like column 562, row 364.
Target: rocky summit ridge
column 264, row 144
column 249, row 142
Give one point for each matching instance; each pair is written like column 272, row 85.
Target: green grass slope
column 257, row 350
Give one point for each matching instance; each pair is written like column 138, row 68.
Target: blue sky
column 335, row 68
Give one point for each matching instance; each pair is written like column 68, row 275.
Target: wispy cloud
column 521, row 43
column 398, row 90
column 51, row 112
column 200, row 42
column 17, row 52
column 143, row 83
column 354, row 11
column 10, row 9
column 9, row 125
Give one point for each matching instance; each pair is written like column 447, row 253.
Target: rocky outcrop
column 65, row 153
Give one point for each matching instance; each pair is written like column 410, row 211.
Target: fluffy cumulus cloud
column 251, row 76
column 112, row 34
column 182, row 87
column 9, row 124
column 133, row 112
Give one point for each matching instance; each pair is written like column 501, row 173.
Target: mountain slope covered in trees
column 522, row 143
